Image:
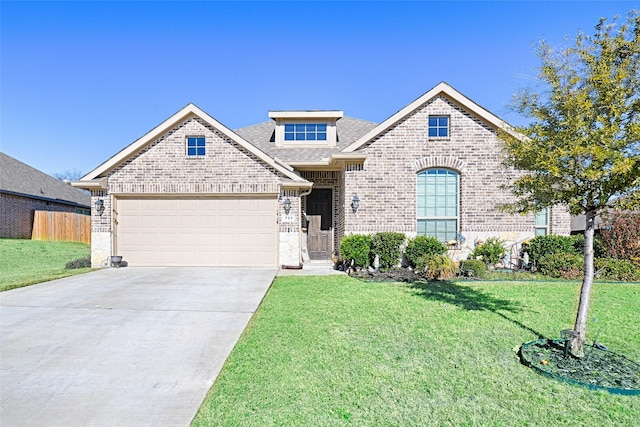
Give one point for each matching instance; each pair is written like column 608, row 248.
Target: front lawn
column 337, row 351
column 25, row 262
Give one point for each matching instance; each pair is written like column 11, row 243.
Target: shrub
column 561, row 265
column 541, row 246
column 79, row 263
column 438, row 267
column 621, row 270
column 473, row 267
column 620, row 235
column 356, row 247
column 387, row 246
column 420, row 246
column 490, row 251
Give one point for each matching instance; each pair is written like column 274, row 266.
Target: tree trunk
column 580, row 328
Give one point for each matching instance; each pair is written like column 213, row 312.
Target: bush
column 621, row 270
column 473, row 268
column 421, row 246
column 356, row 247
column 490, row 251
column 438, row 267
column 387, row 246
column 79, row 263
column 620, row 235
column 542, row 246
column 561, row 265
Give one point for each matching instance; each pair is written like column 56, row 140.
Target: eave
column 94, row 184
column 336, row 162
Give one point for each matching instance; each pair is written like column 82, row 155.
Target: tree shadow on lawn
column 470, row 299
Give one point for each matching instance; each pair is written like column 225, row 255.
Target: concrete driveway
column 121, row 347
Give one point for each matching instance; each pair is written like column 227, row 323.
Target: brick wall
column 386, row 185
column 16, row 214
column 163, row 167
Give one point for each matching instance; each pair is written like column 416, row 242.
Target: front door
column 320, row 228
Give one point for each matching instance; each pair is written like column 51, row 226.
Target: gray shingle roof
column 19, row 178
column 261, row 135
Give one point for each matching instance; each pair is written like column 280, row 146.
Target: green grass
column 25, row 262
column 332, row 351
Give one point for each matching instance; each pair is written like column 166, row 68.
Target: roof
column 442, row 89
column 20, row 179
column 348, row 129
column 306, row 114
column 189, row 110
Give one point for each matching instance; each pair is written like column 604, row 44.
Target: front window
column 438, row 126
column 542, row 222
column 438, row 204
column 195, row 146
column 305, row 132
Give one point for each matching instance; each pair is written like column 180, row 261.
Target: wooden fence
column 61, row 226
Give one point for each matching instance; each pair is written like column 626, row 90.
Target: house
column 194, row 192
column 24, row 190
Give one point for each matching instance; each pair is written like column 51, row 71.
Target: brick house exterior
column 24, row 189
column 285, row 187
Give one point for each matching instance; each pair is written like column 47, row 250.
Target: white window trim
column 457, row 217
column 439, row 138
column 306, row 117
column 186, row 147
column 546, row 227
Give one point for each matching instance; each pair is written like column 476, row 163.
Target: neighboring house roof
column 184, row 113
column 442, row 89
column 348, row 129
column 579, row 223
column 20, row 179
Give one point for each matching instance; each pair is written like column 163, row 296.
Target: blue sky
column 82, row 80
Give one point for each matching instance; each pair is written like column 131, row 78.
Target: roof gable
column 190, row 110
column 21, row 179
column 441, row 89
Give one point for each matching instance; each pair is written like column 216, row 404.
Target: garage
column 197, row 231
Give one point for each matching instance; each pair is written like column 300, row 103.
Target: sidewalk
column 311, row 268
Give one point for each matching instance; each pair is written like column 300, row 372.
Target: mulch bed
column 599, row 368
column 400, row 275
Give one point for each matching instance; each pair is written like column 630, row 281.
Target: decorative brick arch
column 439, row 162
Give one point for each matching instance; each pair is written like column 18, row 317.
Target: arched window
column 438, row 204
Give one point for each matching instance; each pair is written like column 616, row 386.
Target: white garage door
column 197, row 231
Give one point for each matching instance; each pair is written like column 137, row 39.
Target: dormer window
column 305, row 132
column 315, row 128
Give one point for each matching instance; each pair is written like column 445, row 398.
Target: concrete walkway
column 311, row 268
column 121, row 347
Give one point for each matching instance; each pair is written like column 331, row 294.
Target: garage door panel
column 227, row 205
column 245, row 239
column 165, row 221
column 203, row 231
column 189, row 220
column 265, row 221
column 227, row 221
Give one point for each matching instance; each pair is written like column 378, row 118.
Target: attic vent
column 354, row 167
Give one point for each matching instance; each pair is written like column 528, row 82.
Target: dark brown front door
column 320, row 228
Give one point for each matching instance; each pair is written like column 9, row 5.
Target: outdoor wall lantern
column 99, row 206
column 286, row 205
column 355, row 203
